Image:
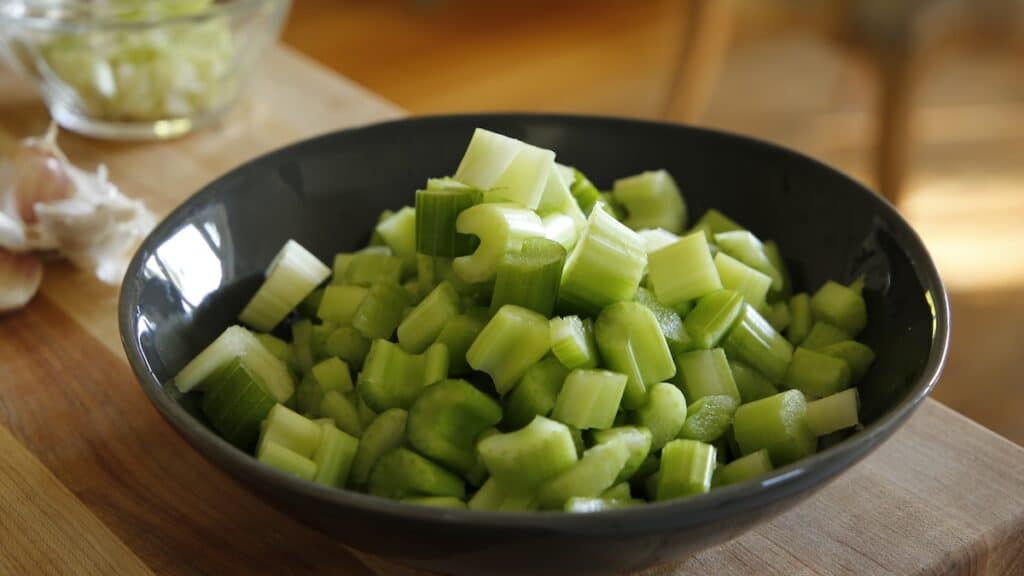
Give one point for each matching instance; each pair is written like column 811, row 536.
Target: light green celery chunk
column 748, row 282
column 393, row 378
column 671, row 324
column 714, row 222
column 437, row 209
column 375, row 238
column 402, row 473
column 815, row 374
column 432, row 270
column 236, row 402
column 366, row 414
column 686, row 469
column 584, row 191
column 594, row 473
column 753, row 341
column 347, row 343
column 458, row 335
column 606, row 265
column 709, row 418
column 557, row 198
column 436, row 501
column 607, row 203
column 705, row 373
column 281, row 349
column 478, row 473
column 289, row 429
column 340, row 302
column 777, row 424
column 385, row 433
column 487, row 157
column 291, row 276
column 561, row 229
column 343, row 410
column 745, row 468
column 536, row 392
column 425, row 322
column 771, row 249
column 302, row 344
column 572, row 342
column 620, row 491
column 524, row 459
column 823, row 334
column 380, row 312
column 800, row 319
column 310, row 304
column 334, row 456
column 833, row 413
column 683, row 271
column 525, row 178
column 495, row 495
column 840, row 306
column 333, row 374
column 630, row 341
column 656, row 238
column 238, row 343
column 529, row 278
column 777, row 314
column 589, row 505
column 751, row 384
column 285, row 460
column 858, row 356
column 445, row 421
column 307, row 397
column 746, row 248
column 637, row 439
column 663, row 414
column 652, row 200
column 399, row 233
column 501, row 229
column 589, row 398
column 577, row 440
column 318, row 339
column 368, row 267
column 513, row 340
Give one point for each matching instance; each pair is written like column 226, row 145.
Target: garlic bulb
column 20, row 276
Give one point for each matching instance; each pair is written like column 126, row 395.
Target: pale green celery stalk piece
column 501, row 229
column 334, row 456
column 656, row 239
column 524, row 180
column 529, row 278
column 630, row 340
column 402, row 473
column 705, row 373
column 366, row 414
column 736, row 275
column 557, row 198
column 347, row 343
column 709, row 418
column 524, row 459
column 283, row 350
column 823, row 334
column 858, row 356
column 375, row 238
column 746, row 248
column 815, row 374
column 425, row 322
column 236, row 402
column 487, row 157
column 393, row 378
column 512, row 341
column 606, row 265
column 753, row 341
column 663, row 414
column 458, row 335
column 607, row 203
column 333, row 374
column 561, row 228
column 619, row 491
column 380, row 312
column 289, row 429
column 445, row 421
column 714, row 222
column 777, row 314
column 745, row 468
column 594, row 473
column 343, row 410
column 536, row 392
column 777, row 424
column 385, row 433
column 572, row 343
column 713, row 317
column 437, row 209
column 637, row 439
column 800, row 319
column 478, row 474
column 584, row 191
column 752, row 385
column 683, row 271
column 399, row 232
column 670, row 322
column 302, row 343
column 589, row 399
column 436, row 501
column 840, row 306
column 833, row 413
column 686, row 469
column 432, row 270
column 285, row 460
column 310, row 304
column 652, row 200
column 495, row 495
column 369, row 267
column 307, row 397
column 237, row 342
column 771, row 249
column 340, row 302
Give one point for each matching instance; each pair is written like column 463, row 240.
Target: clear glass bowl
column 143, row 70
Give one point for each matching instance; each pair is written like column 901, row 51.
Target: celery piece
column 340, row 302
column 487, row 157
column 385, row 433
column 815, row 374
column 318, row 339
column 302, row 343
column 307, row 397
column 670, row 322
column 347, row 343
column 458, row 335
column 713, row 317
column 584, row 191
column 236, row 402
column 800, row 319
column 577, row 440
column 572, row 342
column 858, row 356
column 708, row 418
column 749, row 467
column 619, row 491
column 823, row 334
column 683, row 271
column 281, row 349
column 561, row 229
column 527, row 457
column 478, row 473
column 656, row 238
column 746, row 248
column 747, row 281
column 607, row 203
column 751, row 384
column 333, row 374
column 343, row 410
column 652, row 200
column 777, row 424
column 436, row 501
column 705, row 373
column 714, row 222
column 437, row 209
column 367, row 268
column 631, row 342
column 588, row 505
column 334, row 456
column 501, row 229
column 432, row 270
column 647, row 468
column 402, row 473
column 238, row 343
column 289, row 429
column 524, row 180
column 446, row 419
column 558, row 199
column 529, row 278
column 663, row 414
column 753, row 341
column 366, row 414
column 310, row 304
column 379, row 314
column 536, row 392
column 495, row 495
column 594, row 473
column 840, row 306
column 393, row 378
column 686, row 468
column 834, row 412
column 425, row 322
column 375, row 238
column 399, row 233
column 638, row 440
column 771, row 250
column 285, row 460
column 513, row 340
column 777, row 314
column 291, row 276
column 605, row 266
column 589, row 398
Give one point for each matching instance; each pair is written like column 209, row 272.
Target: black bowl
column 194, row 273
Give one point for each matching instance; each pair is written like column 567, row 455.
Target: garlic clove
column 41, row 174
column 20, row 277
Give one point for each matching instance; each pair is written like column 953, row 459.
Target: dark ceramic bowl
column 194, row 273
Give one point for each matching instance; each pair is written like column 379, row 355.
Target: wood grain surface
column 944, row 496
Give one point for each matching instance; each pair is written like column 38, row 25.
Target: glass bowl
column 142, row 69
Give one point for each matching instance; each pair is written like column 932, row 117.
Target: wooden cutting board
column 93, row 481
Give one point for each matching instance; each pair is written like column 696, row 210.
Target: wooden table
column 93, row 481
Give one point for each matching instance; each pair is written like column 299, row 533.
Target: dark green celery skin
column 530, row 279
column 671, row 323
column 436, row 212
column 236, row 402
column 445, row 421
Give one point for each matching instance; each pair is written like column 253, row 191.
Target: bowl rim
column 108, row 22
column 804, row 475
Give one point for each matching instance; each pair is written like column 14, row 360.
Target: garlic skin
column 21, row 273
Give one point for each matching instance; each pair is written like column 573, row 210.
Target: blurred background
column 921, row 99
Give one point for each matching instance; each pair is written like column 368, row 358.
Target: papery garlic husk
column 40, row 174
column 21, row 273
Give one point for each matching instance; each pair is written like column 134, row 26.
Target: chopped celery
column 307, row 397
column 705, row 373
column 589, row 398
column 637, row 440
column 425, row 322
column 281, row 349
column 302, row 343
column 777, row 314
column 385, row 433
column 746, row 248
column 285, row 460
column 858, row 356
column 487, row 157
column 366, row 414
column 840, row 306
column 619, row 491
column 236, row 402
column 334, row 456
column 501, row 229
column 446, row 419
column 238, row 343
column 683, row 271
column 524, row 180
column 529, row 278
column 289, row 429
column 747, row 281
column 686, row 468
column 584, row 191
column 708, row 418
column 478, row 474
column 572, row 342
column 399, row 233
column 671, row 324
column 594, row 473
column 588, row 505
column 834, row 412
column 823, row 334
column 393, row 378
column 753, row 341
column 333, row 374
column 343, row 410
column 495, row 495
column 347, row 343
column 310, row 304
column 751, row 384
column 380, row 312
column 558, row 199
column 816, row 374
column 291, row 276
column 651, row 200
column 458, row 335
column 605, row 266
column 561, row 229
column 340, row 302
column 714, row 222
column 771, row 250
column 437, row 209
column 513, row 340
column 436, row 501
column 527, row 457
column 402, row 473
column 631, row 342
column 749, row 467
column 607, row 203
column 777, row 424
column 656, row 238
column 663, row 414
column 800, row 319
column 536, row 392
column 367, row 268
column 713, row 317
